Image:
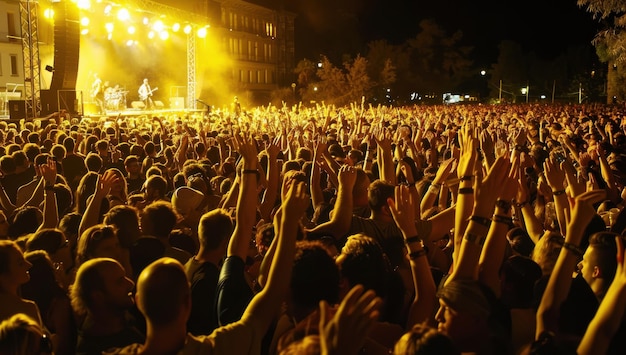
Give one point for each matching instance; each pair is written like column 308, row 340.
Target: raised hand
column 49, row 171
column 106, row 182
column 347, row 176
column 555, row 175
column 403, row 210
column 296, row 201
column 345, row 332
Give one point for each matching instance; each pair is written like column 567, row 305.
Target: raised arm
column 247, row 201
column 50, row 210
column 265, row 305
column 341, row 219
column 91, row 217
column 424, row 301
column 273, row 177
column 561, row 278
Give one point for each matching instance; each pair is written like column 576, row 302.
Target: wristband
column 436, row 186
column 467, row 177
column 486, row 222
column 249, row 171
column 502, row 219
column 574, row 249
column 559, row 192
column 504, row 205
column 466, row 191
column 414, row 239
column 521, row 204
column 474, row 238
column 417, row 254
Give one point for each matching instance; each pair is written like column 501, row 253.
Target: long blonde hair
column 21, row 335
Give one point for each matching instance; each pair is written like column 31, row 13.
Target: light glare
column 202, row 32
column 84, row 21
column 83, row 4
column 187, row 29
column 123, row 15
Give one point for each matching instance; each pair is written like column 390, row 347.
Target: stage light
column 151, row 34
column 202, row 32
column 84, row 21
column 84, row 31
column 176, row 27
column 107, row 9
column 146, row 21
column 164, row 35
column 123, row 15
column 48, row 13
column 109, row 27
column 130, row 42
column 187, row 29
column 132, row 30
column 83, row 4
column 158, row 26
column 110, row 36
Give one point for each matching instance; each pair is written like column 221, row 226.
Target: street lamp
column 525, row 91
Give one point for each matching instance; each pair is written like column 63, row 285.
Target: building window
column 11, row 27
column 14, row 71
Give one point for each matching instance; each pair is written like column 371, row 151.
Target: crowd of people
column 316, row 230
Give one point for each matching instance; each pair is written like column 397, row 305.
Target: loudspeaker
column 49, row 103
column 66, row 45
column 137, row 105
column 177, row 102
column 17, row 109
column 158, row 104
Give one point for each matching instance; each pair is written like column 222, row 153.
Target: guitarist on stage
column 97, row 92
column 145, row 94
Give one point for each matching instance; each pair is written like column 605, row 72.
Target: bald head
column 163, row 292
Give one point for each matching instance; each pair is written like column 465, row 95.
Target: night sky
column 546, row 27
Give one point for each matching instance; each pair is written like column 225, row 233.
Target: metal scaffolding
column 30, row 52
column 191, row 71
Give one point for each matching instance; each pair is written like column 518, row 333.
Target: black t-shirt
column 233, row 291
column 203, row 277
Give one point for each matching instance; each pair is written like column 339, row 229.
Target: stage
column 130, row 112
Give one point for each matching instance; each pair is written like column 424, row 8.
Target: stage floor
column 139, row 112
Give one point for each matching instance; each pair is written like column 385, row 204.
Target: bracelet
column 486, row 222
column 436, row 186
column 467, row 177
column 559, row 192
column 521, row 148
column 504, row 205
column 413, row 239
column 49, row 188
column 475, row 238
column 502, row 219
column 417, row 254
column 521, row 204
column 466, row 190
column 249, row 171
column 574, row 249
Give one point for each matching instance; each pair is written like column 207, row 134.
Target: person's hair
column 21, row 335
column 291, row 165
column 158, row 183
column 158, row 219
column 49, row 240
column 90, row 240
column 379, row 192
column 122, row 181
column 214, row 227
column 69, row 144
column 88, row 279
column 315, row 276
column 65, row 199
column 58, row 151
column 604, row 251
column 304, row 153
column 102, row 144
column 520, row 241
column 42, row 287
column 162, row 289
column 126, row 221
column 424, row 340
column 130, row 160
column 7, row 164
column 93, row 162
column 31, row 150
column 364, row 262
column 24, row 220
column 20, row 158
column 547, row 250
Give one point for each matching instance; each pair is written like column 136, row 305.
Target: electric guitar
column 145, row 96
